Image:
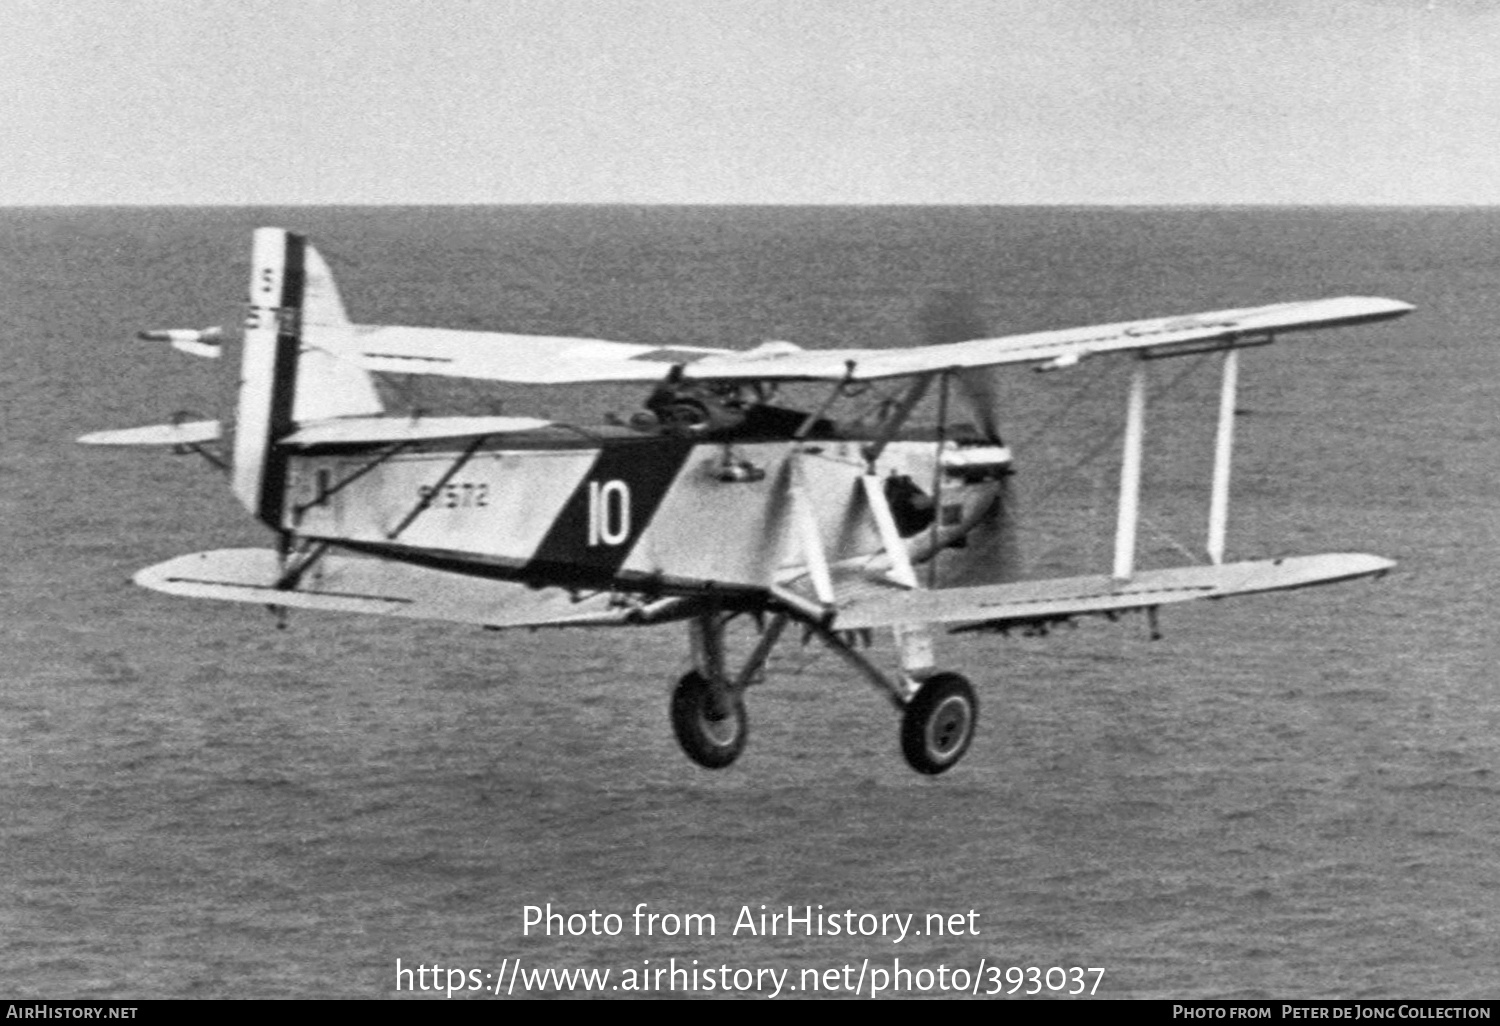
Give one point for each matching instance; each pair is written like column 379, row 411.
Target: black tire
column 939, row 723
column 709, row 738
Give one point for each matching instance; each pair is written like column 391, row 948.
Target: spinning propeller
column 991, row 552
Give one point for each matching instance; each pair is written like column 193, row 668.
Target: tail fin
column 295, row 366
column 321, row 305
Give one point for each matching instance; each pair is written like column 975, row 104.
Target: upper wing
column 525, row 359
column 538, row 359
column 1034, row 602
column 1058, row 347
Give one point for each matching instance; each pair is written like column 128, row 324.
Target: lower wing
column 348, row 584
column 1046, row 601
column 354, row 585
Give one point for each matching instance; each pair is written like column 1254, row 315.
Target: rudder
column 295, row 366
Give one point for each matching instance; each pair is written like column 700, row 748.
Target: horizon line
column 1061, row 205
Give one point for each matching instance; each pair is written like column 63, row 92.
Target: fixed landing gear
column 938, row 723
column 938, row 710
column 708, row 703
column 712, row 729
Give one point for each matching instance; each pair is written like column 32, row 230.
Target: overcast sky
column 750, row 101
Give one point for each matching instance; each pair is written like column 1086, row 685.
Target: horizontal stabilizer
column 356, row 430
column 191, row 432
column 1030, row 602
column 205, row 342
column 347, row 584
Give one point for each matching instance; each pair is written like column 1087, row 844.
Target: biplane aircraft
column 714, row 501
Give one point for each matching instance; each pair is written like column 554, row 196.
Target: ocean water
column 1287, row 796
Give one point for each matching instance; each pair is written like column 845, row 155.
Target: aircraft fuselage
column 613, row 507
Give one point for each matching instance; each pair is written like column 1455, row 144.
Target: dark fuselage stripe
column 283, row 377
column 612, row 506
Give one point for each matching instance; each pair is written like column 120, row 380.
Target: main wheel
column 939, row 723
column 711, row 736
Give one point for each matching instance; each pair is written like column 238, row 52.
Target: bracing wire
column 1111, row 440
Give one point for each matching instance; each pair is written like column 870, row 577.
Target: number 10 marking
column 609, row 513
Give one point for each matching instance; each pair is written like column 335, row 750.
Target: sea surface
column 1294, row 795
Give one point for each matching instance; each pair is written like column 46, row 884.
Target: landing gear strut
column 938, row 710
column 708, row 703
